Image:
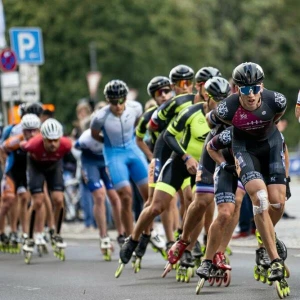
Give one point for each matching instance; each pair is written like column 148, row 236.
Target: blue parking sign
column 27, row 43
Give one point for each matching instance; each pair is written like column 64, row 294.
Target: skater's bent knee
column 262, row 197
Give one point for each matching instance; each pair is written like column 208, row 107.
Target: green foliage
column 138, row 39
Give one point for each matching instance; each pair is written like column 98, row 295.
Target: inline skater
column 44, row 164
column 93, row 169
column 160, row 89
column 123, row 157
column 181, row 78
column 257, row 147
column 14, row 183
column 216, row 89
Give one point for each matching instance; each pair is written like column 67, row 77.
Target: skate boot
column 185, row 268
column 277, row 275
column 14, row 243
column 158, row 244
column 28, row 249
column 282, row 252
column 176, row 251
column 40, row 244
column 140, row 251
column 262, row 265
column 222, row 271
column 4, row 243
column 59, row 246
column 106, row 248
column 197, row 253
column 125, row 254
column 203, row 272
column 121, row 240
column 24, row 237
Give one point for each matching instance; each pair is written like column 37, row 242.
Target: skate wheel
column 188, row 276
column 62, row 256
column 27, row 257
column 107, row 255
column 279, row 290
column 227, row 278
column 286, row 271
column 288, row 290
column 178, row 274
column 200, row 285
column 211, row 281
column 167, row 269
column 120, row 269
column 137, row 265
column 263, row 278
column 256, row 273
column 219, row 278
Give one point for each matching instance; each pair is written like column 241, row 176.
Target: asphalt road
column 84, row 275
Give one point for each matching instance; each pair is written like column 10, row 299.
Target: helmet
column 248, row 73
column 51, row 129
column 206, row 73
column 115, row 89
column 218, row 88
column 21, row 109
column 34, row 108
column 157, row 83
column 30, row 121
column 181, row 72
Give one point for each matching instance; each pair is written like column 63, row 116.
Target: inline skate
column 14, row 243
column 204, row 272
column 158, row 244
column 185, row 268
column 174, row 254
column 221, row 272
column 277, row 274
column 4, row 243
column 262, row 265
column 40, row 244
column 197, row 253
column 140, row 251
column 106, row 248
column 282, row 252
column 58, row 246
column 28, row 249
column 126, row 252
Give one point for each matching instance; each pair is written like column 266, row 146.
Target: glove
column 288, row 190
column 229, row 168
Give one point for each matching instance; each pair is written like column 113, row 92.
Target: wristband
column 187, row 158
column 288, row 179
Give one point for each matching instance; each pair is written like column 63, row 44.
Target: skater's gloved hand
column 229, row 168
column 288, row 190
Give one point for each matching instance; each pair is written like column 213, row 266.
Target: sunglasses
column 117, row 101
column 162, row 91
column 183, row 83
column 246, row 90
column 217, row 99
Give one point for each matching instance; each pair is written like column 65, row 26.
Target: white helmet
column 30, row 121
column 51, row 129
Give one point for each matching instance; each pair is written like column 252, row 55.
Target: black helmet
column 181, row 72
column 248, row 73
column 218, row 88
column 157, row 83
column 115, row 89
column 206, row 73
column 34, row 108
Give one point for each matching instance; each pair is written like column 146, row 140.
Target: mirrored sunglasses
column 246, row 90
